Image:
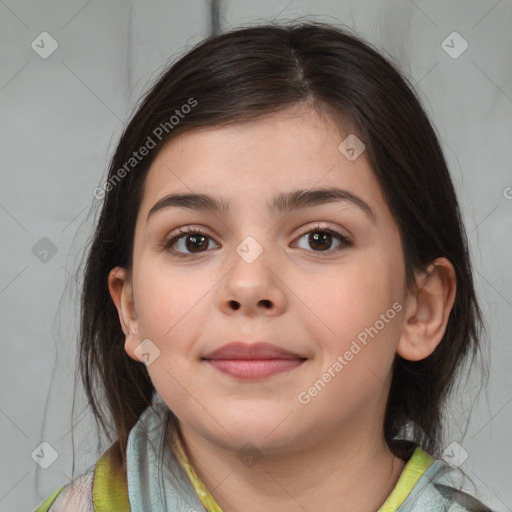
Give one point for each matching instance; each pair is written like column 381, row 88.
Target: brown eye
column 196, row 243
column 321, row 240
column 188, row 242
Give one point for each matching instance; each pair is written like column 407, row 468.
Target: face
column 323, row 280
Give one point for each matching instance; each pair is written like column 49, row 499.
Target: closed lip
column 245, row 351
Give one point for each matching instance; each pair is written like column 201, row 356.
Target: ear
column 427, row 311
column 120, row 287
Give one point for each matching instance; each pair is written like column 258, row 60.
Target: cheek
column 350, row 298
column 167, row 302
column 172, row 310
column 361, row 314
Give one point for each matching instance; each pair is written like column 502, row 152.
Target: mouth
column 256, row 361
column 254, row 368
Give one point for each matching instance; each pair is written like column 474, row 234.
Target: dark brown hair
column 237, row 77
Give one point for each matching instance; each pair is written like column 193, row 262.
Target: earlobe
column 427, row 311
column 119, row 283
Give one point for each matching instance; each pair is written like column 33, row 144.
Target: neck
column 332, row 474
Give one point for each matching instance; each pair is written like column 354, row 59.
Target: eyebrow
column 282, row 202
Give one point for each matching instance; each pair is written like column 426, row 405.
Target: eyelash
column 181, row 232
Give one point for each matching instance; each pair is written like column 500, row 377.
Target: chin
column 267, row 432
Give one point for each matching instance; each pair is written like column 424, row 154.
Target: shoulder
column 76, row 496
column 459, row 500
column 443, row 488
column 102, row 487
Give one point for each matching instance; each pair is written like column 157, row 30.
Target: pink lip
column 253, row 361
column 260, row 350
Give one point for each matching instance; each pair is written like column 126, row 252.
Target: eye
column 321, row 239
column 187, row 239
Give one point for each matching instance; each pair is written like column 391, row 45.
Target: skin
column 318, row 456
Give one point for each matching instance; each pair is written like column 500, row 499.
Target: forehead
column 250, row 162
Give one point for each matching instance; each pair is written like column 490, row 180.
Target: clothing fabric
column 150, row 481
column 158, row 481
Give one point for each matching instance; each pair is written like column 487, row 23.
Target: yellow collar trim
column 110, row 489
column 419, row 462
column 206, row 498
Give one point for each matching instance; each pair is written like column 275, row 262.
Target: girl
column 278, row 295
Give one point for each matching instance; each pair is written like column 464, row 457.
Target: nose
column 253, row 288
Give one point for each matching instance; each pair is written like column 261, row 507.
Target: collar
column 419, row 462
column 157, row 477
column 156, row 480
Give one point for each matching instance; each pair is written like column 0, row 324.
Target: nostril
column 235, row 304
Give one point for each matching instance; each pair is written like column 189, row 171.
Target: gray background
column 62, row 116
